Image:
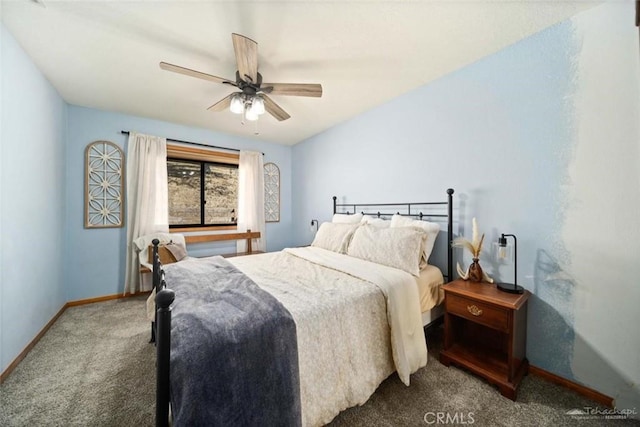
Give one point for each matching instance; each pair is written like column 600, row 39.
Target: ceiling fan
column 251, row 99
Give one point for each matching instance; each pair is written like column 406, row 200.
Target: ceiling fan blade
column 193, row 73
column 294, row 89
column 246, row 56
column 221, row 105
column 274, row 109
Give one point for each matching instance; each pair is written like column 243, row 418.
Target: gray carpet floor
column 94, row 367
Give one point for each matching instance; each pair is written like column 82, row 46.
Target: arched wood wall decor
column 103, row 185
column 271, row 192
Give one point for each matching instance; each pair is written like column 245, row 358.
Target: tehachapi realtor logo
column 576, row 412
column 589, row 412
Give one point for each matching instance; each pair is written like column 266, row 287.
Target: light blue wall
column 504, row 132
column 493, row 131
column 32, row 193
column 96, row 261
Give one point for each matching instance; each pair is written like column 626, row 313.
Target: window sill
column 203, row 228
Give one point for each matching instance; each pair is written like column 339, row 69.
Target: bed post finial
column 164, row 299
column 334, row 204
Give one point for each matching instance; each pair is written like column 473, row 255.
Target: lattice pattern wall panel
column 271, row 192
column 103, row 185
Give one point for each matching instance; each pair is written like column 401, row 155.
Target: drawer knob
column 473, row 309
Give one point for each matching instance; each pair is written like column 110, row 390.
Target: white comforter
column 355, row 320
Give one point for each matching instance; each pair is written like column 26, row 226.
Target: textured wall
column 539, row 140
column 32, row 193
column 600, row 229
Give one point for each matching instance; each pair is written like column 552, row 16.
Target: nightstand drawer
column 478, row 312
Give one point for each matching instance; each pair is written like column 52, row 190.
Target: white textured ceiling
column 105, row 54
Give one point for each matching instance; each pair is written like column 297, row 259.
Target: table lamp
column 503, row 254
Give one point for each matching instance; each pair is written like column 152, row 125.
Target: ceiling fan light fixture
column 237, row 104
column 257, row 105
column 250, row 115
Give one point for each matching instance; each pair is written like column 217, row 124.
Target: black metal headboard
column 410, row 209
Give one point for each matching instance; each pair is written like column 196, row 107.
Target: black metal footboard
column 161, row 334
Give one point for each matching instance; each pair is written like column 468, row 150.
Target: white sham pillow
column 399, row 248
column 375, row 221
column 334, row 237
column 431, row 228
column 142, row 244
column 346, row 218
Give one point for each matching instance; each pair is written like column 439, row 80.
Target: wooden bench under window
column 205, row 238
column 225, row 237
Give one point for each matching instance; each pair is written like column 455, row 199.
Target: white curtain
column 251, row 199
column 147, row 197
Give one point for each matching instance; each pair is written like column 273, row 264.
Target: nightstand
column 486, row 332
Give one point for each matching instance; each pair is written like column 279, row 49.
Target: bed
column 296, row 336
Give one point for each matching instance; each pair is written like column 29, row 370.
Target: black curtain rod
column 126, row 132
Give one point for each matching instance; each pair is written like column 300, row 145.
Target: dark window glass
column 202, row 193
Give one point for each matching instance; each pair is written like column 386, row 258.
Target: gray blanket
column 234, row 356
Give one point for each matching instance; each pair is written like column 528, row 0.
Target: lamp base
column 510, row 287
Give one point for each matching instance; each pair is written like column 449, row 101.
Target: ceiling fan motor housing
column 247, row 85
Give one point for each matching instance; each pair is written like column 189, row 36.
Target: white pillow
column 142, row 245
column 334, row 237
column 400, row 248
column 431, row 228
column 346, row 219
column 375, row 221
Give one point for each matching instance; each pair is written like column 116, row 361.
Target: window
column 202, row 192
